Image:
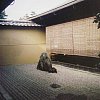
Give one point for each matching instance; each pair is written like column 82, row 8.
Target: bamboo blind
column 80, row 37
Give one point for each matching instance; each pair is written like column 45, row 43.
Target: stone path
column 25, row 82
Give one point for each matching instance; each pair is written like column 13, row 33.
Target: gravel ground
column 25, row 82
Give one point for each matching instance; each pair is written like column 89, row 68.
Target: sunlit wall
column 21, row 45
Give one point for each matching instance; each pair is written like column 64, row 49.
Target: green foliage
column 3, row 15
column 97, row 19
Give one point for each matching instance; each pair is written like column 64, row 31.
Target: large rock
column 45, row 64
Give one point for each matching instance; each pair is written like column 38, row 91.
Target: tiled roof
column 17, row 23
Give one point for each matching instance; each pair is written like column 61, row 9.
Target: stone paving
column 25, row 82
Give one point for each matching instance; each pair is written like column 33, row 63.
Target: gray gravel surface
column 25, row 82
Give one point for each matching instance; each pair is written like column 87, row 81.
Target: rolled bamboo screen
column 80, row 37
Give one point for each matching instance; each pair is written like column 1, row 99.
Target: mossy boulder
column 45, row 64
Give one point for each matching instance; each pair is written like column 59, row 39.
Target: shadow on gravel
column 70, row 97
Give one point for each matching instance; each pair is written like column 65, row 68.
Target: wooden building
column 70, row 29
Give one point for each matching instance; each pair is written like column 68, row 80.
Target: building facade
column 70, row 29
column 79, row 37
